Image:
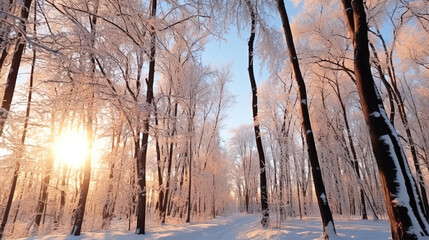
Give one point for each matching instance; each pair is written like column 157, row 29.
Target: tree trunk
column 5, row 31
column 107, row 208
column 170, row 162
column 80, row 210
column 9, row 200
column 141, row 161
column 352, row 150
column 403, row 203
column 190, row 154
column 263, row 178
column 65, row 172
column 160, row 168
column 43, row 197
column 322, row 200
column 14, row 67
column 84, row 189
column 24, row 134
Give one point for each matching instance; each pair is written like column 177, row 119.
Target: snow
column 245, row 227
column 323, row 197
column 402, row 198
column 74, row 230
column 375, row 114
column 329, row 229
column 3, row 112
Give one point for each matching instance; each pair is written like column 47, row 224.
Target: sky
column 233, row 51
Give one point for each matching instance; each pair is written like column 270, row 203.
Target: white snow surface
column 244, row 227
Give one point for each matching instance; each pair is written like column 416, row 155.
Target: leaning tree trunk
column 14, row 67
column 322, row 200
column 141, row 160
column 393, row 90
column 403, row 203
column 263, row 177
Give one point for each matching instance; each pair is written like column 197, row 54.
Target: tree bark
column 24, row 134
column 170, row 162
column 403, row 204
column 4, row 32
column 322, row 200
column 141, row 161
column 80, row 210
column 43, row 197
column 352, row 150
column 263, row 177
column 14, row 67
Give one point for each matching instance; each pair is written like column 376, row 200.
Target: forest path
column 244, row 227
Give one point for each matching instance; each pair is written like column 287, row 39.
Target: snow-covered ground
column 245, row 227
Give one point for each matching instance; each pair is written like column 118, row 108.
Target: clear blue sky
column 234, row 51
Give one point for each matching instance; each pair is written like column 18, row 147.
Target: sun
column 71, row 149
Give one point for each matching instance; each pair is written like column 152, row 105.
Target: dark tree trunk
column 214, row 198
column 393, row 90
column 21, row 193
column 65, row 172
column 188, row 215
column 9, row 200
column 14, row 67
column 160, row 168
column 24, row 134
column 43, row 197
column 3, row 56
column 263, row 177
column 5, row 31
column 170, row 162
column 389, row 89
column 141, row 161
column 322, row 200
column 413, row 150
column 84, row 189
column 403, row 204
column 107, row 208
column 352, row 150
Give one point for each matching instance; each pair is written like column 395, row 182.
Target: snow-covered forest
column 110, row 119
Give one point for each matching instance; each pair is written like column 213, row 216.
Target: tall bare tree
column 263, row 176
column 142, row 157
column 89, row 122
column 322, row 199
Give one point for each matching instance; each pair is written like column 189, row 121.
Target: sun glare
column 71, row 149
